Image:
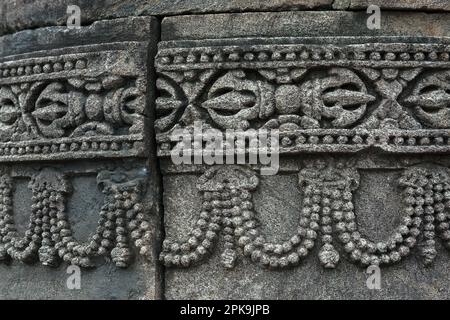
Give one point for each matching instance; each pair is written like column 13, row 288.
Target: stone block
column 24, row 14
column 362, row 122
column 78, row 194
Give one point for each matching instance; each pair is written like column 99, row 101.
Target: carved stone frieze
column 76, row 184
column 342, row 96
column 75, row 105
column 327, row 217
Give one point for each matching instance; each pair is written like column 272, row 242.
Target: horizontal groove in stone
column 302, row 24
column 22, row 14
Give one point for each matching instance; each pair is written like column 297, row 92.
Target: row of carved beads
column 21, row 249
column 49, row 235
column 327, row 203
column 201, row 238
column 286, row 253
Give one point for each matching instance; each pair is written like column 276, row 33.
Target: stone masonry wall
column 90, row 191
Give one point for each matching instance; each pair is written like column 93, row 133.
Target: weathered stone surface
column 25, row 14
column 353, row 109
column 76, row 185
column 422, row 5
column 139, row 29
column 278, row 203
column 387, row 74
column 320, row 24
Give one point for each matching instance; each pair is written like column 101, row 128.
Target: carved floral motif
column 376, row 88
column 71, row 108
column 70, row 105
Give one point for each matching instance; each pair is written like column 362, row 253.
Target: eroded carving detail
column 431, row 99
column 321, row 97
column 328, row 210
column 73, row 105
column 49, row 236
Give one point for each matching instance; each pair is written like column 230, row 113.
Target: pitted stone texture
column 231, row 233
column 319, row 24
column 422, row 5
column 100, row 32
column 97, row 80
column 24, row 14
column 102, row 215
column 278, row 204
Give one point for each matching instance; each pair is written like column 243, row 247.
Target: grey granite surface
column 78, row 185
column 362, row 117
column 24, row 14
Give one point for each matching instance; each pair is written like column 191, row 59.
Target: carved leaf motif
column 341, row 98
column 124, row 106
column 57, row 110
column 431, row 100
column 10, row 113
column 233, row 101
column 168, row 106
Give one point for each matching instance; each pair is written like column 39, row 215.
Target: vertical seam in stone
column 159, row 204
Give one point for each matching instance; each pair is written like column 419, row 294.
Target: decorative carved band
column 188, row 55
column 328, row 213
column 77, row 105
column 49, row 236
column 321, row 98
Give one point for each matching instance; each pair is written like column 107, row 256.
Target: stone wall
column 87, row 181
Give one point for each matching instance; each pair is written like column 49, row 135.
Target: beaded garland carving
column 337, row 96
column 49, row 237
column 327, row 214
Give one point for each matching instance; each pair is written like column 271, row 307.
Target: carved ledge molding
column 78, row 105
column 49, row 237
column 322, row 95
